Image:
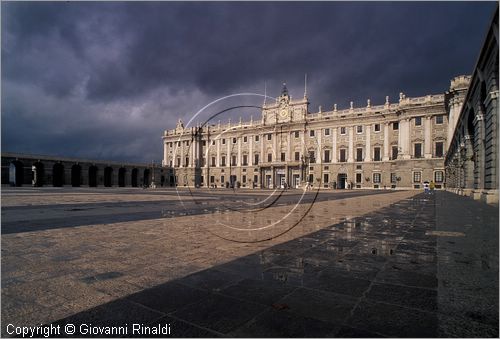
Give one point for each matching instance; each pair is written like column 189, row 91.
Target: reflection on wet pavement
column 393, row 271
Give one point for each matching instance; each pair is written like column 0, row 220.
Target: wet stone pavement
column 425, row 266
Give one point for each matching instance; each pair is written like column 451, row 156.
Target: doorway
column 342, row 180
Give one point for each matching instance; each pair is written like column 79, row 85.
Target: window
column 438, row 176
column 311, row 133
column 245, row 160
column 221, row 179
column 233, row 160
column 256, row 138
column 376, row 127
column 395, row 125
column 376, row 178
column 327, row 131
column 342, row 155
column 170, row 163
column 245, row 139
column 439, row 119
column 255, row 178
column 187, row 162
column 312, row 157
column 256, row 159
column 269, row 136
column 417, row 176
column 418, row 121
column 283, row 155
column 297, row 156
column 376, row 154
column 342, row 130
column 327, row 155
column 244, row 179
column 223, row 141
column 417, row 150
column 213, row 142
column 358, row 178
column 311, row 178
column 204, row 143
column 359, row 129
column 359, row 154
column 394, row 152
column 212, row 179
column 269, row 157
column 393, row 178
column 213, row 162
column 296, row 134
column 178, row 162
column 326, row 178
column 439, row 149
column 223, row 160
column 234, row 140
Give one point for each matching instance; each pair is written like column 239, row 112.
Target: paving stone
column 211, row 279
column 319, row 305
column 259, row 291
column 278, row 324
column 168, row 297
column 220, row 313
column 420, row 298
column 332, row 281
column 394, row 321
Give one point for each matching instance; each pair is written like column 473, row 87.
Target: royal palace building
column 394, row 145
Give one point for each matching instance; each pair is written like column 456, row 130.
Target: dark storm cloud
column 104, row 79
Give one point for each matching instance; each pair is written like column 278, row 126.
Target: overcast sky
column 103, row 80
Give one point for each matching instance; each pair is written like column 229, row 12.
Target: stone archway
column 93, row 176
column 134, row 177
column 76, row 174
column 121, row 177
column 146, row 177
column 38, row 172
column 108, row 176
column 58, row 175
column 16, row 173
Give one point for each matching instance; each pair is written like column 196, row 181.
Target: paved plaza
column 214, row 263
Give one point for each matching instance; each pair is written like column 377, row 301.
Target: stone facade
column 394, row 145
column 40, row 170
column 472, row 159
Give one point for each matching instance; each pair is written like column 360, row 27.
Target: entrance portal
column 342, row 180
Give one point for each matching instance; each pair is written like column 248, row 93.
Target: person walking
column 426, row 187
column 432, row 186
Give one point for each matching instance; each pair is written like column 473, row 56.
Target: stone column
column 334, row 145
column 261, row 148
column 404, row 138
column 320, row 151
column 165, row 153
column 275, row 146
column 427, row 137
column 350, row 151
column 250, row 151
column 386, row 142
column 217, row 159
column 182, row 153
column 238, row 161
column 303, row 142
column 288, row 147
column 228, row 156
column 368, row 144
